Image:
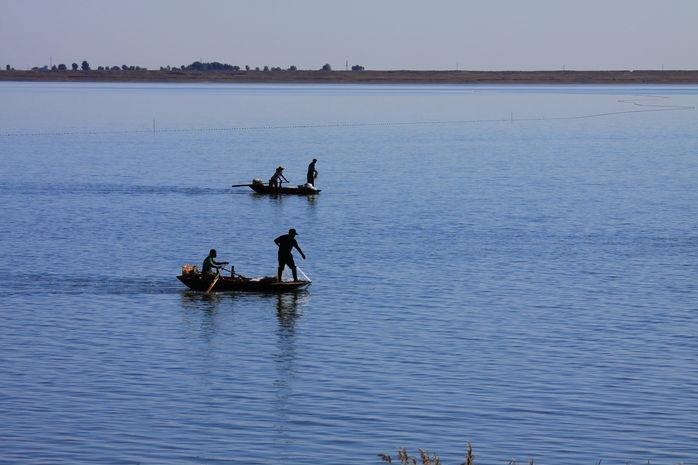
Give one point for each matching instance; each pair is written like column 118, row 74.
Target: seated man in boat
column 211, row 266
column 286, row 244
column 275, row 180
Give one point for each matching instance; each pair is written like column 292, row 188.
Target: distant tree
column 276, row 68
column 256, row 68
column 213, row 66
column 85, row 66
column 292, row 68
column 124, row 67
column 266, row 68
column 100, row 68
column 54, row 68
column 247, row 67
column 115, row 68
column 357, row 68
column 8, row 68
column 326, row 67
column 62, row 67
column 74, row 66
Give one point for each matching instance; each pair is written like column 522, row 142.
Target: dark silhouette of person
column 211, row 266
column 275, row 180
column 312, row 172
column 286, row 244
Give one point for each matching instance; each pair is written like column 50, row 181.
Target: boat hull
column 199, row 282
column 261, row 188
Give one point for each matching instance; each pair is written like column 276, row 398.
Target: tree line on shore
column 198, row 66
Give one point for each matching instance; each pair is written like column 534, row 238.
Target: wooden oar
column 241, row 185
column 213, row 283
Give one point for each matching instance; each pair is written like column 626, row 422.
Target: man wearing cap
column 275, row 180
column 312, row 172
column 286, row 244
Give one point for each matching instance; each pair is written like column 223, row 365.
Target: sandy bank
column 365, row 77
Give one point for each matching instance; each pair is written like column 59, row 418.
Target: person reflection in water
column 286, row 243
column 286, row 312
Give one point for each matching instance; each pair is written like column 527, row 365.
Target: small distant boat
column 197, row 281
column 261, row 188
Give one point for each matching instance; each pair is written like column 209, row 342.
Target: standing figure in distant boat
column 276, row 180
column 211, row 266
column 286, row 244
column 312, row 172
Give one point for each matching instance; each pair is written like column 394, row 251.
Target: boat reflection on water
column 208, row 306
column 193, row 298
column 279, row 199
column 286, row 303
column 201, row 313
column 209, row 320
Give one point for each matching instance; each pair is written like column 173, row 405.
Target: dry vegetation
column 425, row 458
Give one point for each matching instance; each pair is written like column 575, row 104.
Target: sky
column 377, row 34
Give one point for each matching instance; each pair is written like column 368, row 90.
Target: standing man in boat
column 275, row 180
column 211, row 266
column 312, row 172
column 286, row 244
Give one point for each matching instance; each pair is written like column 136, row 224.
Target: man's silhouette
column 286, row 244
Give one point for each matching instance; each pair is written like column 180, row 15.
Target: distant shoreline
column 361, row 77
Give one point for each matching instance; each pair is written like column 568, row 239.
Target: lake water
column 511, row 266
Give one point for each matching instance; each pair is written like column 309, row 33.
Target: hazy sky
column 379, row 34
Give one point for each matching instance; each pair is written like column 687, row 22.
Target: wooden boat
column 197, row 281
column 261, row 188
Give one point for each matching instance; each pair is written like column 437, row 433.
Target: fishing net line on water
column 287, row 274
column 644, row 108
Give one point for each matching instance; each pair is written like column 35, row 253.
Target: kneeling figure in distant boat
column 277, row 178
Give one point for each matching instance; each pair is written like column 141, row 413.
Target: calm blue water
column 515, row 272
